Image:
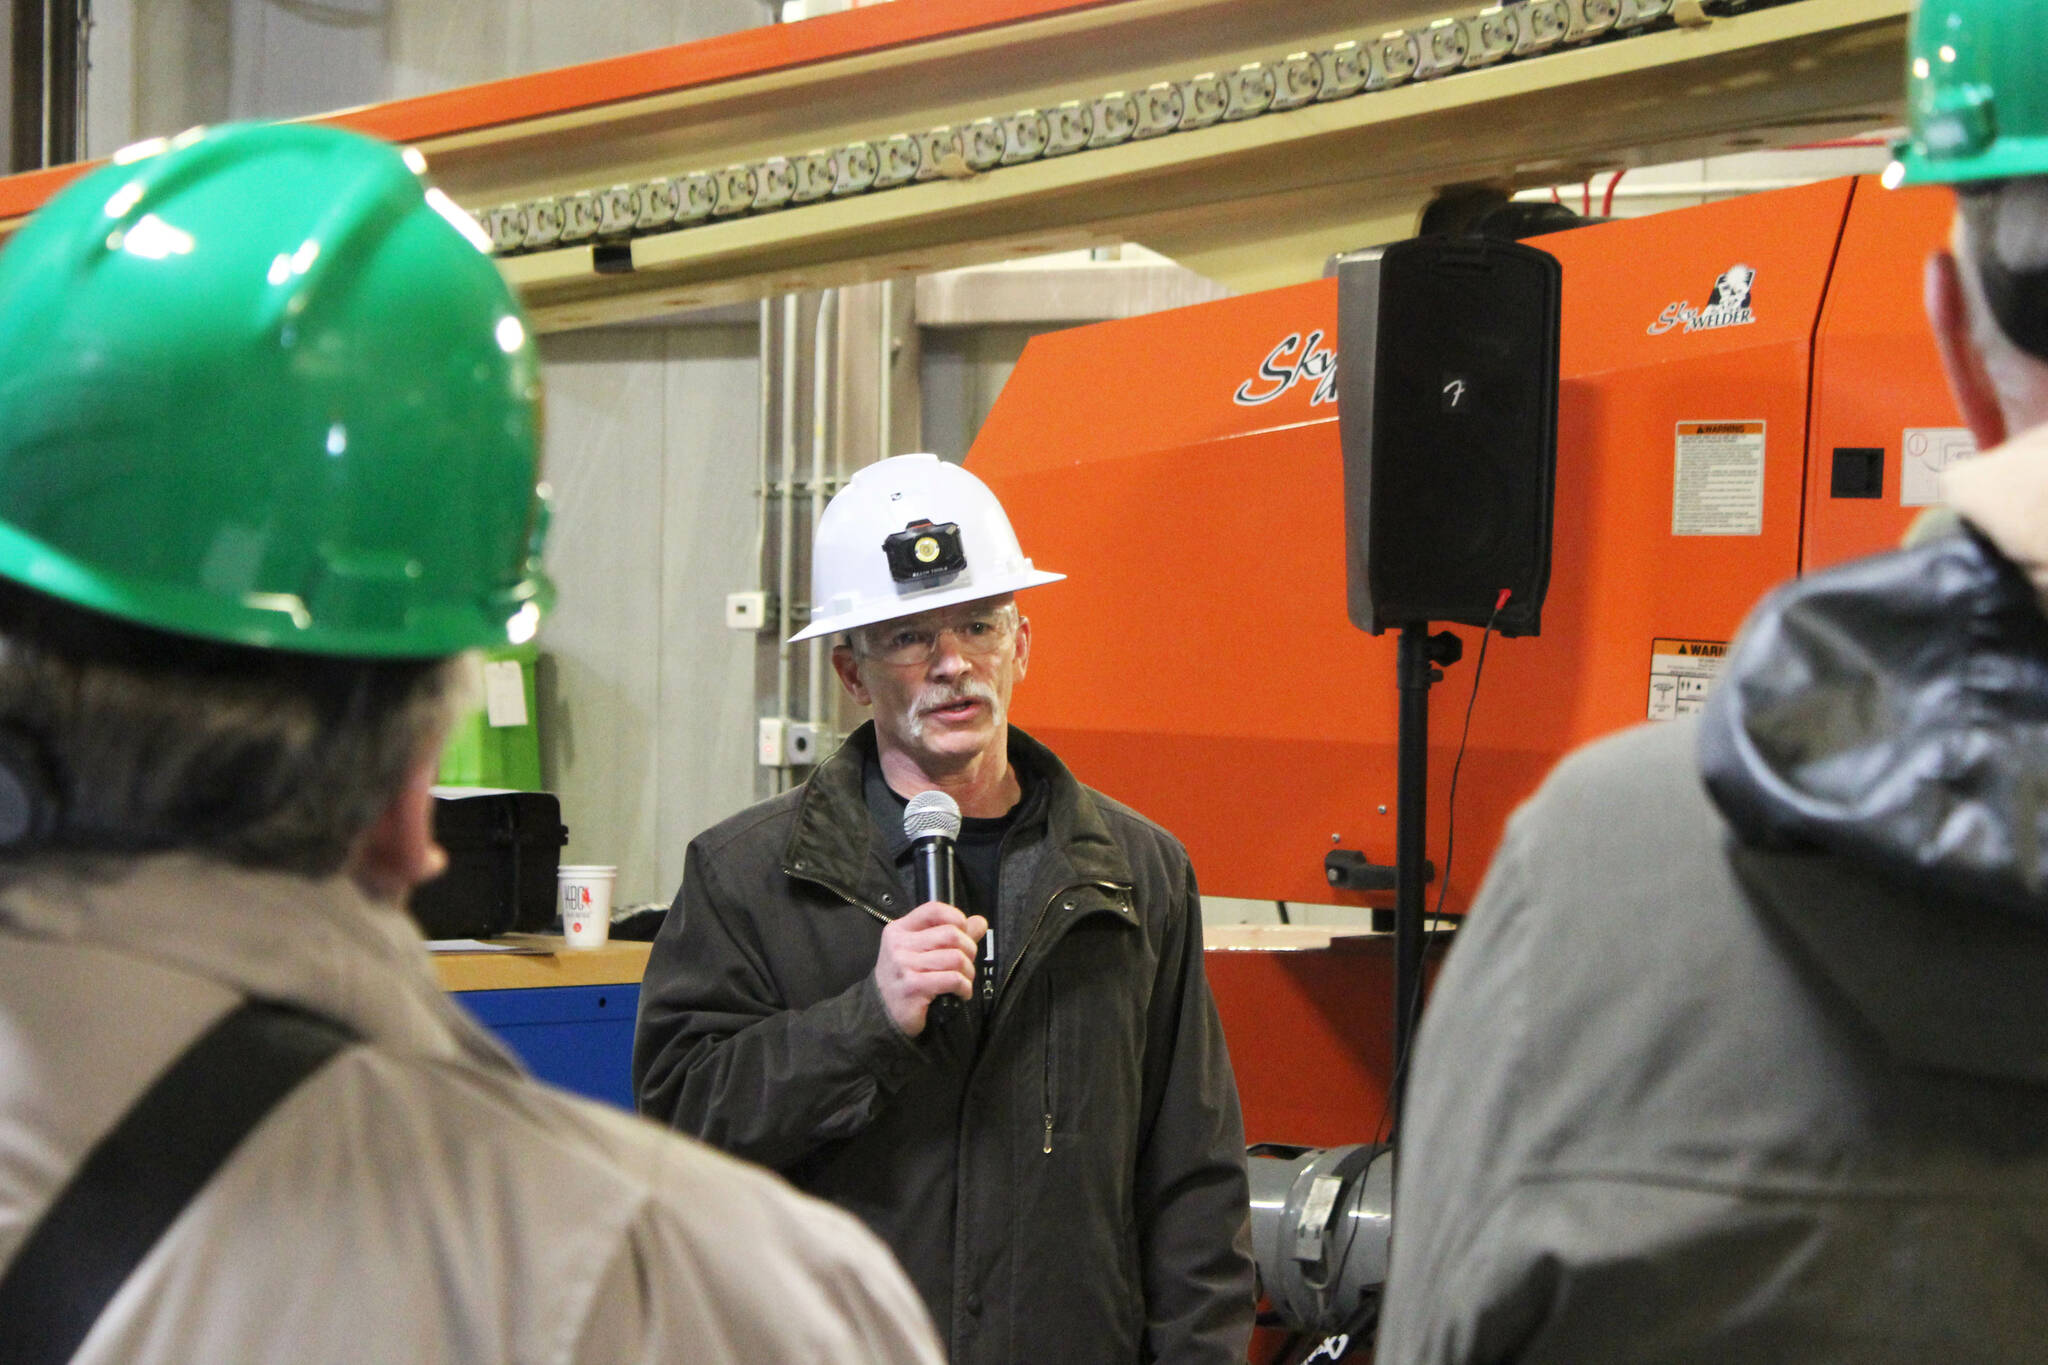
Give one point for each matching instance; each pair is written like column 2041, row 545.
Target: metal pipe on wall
column 821, row 372
column 786, row 548
column 885, row 373
column 764, row 431
column 764, row 436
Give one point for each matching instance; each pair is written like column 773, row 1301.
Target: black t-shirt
column 977, row 856
column 977, row 853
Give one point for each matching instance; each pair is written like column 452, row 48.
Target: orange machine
column 1184, row 469
column 1877, row 384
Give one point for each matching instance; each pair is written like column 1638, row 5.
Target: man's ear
column 398, row 852
column 1023, row 644
column 1948, row 313
column 848, row 669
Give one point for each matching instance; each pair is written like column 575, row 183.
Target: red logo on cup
column 576, row 927
column 586, row 895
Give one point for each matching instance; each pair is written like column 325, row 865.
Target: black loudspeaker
column 1447, row 406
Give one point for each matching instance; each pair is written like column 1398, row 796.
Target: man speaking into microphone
column 1055, row 1154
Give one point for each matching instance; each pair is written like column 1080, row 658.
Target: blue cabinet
column 577, row 1037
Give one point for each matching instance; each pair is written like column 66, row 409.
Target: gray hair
column 2008, row 222
column 266, row 759
column 2005, row 224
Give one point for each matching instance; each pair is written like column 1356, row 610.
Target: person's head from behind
column 1978, row 115
column 118, row 740
column 267, row 457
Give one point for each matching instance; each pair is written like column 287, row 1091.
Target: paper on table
column 477, row 945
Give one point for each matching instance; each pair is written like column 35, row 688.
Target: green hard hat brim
column 2009, row 158
column 279, row 621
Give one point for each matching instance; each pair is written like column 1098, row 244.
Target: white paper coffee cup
column 586, row 901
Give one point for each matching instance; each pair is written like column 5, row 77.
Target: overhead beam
column 1250, row 203
column 1263, row 201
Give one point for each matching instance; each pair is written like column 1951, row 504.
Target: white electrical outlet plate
column 768, row 742
column 746, row 610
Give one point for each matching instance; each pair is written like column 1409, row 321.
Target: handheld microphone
column 932, row 820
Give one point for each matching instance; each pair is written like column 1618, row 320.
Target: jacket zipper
column 1024, row 949
column 845, row 895
column 1049, row 1034
column 1018, row 961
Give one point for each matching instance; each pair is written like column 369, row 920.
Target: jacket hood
column 1878, row 743
column 1894, row 711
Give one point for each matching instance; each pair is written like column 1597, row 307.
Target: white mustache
column 943, row 695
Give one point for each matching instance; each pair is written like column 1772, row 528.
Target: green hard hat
column 261, row 385
column 1977, row 105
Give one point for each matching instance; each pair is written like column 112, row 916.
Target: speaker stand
column 1416, row 671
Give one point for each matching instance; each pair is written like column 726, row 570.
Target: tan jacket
column 417, row 1200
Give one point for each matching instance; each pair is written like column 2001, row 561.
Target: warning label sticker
column 1719, row 485
column 1929, row 451
column 1682, row 672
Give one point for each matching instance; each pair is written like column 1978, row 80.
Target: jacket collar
column 319, row 944
column 835, row 841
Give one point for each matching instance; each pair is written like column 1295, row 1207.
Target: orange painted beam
column 24, row 194
column 731, row 56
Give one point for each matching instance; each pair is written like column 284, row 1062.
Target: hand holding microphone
column 926, row 965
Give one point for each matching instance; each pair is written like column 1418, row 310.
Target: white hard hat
column 908, row 534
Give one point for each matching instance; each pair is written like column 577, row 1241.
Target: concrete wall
column 647, row 700
column 201, row 61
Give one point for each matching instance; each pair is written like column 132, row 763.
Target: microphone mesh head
column 932, row 813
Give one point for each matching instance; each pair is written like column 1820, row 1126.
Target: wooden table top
column 615, row 964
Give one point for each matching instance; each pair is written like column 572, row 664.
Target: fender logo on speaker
column 1293, row 361
column 1727, row 306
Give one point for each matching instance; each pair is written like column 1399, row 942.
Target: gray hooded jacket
column 1743, row 1054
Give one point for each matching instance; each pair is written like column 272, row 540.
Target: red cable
column 1607, row 204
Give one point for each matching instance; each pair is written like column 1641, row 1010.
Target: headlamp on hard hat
column 924, row 554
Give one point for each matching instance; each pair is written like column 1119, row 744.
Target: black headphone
column 29, row 805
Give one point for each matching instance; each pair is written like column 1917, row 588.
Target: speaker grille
column 1447, row 403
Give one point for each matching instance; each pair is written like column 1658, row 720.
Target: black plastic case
column 504, row 849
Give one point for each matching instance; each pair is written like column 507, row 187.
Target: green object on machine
column 483, row 754
column 262, row 385
column 1977, row 106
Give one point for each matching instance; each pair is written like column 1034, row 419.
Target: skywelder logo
column 1727, row 306
column 1296, row 360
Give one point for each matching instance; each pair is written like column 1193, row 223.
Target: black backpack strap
column 139, row 1178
